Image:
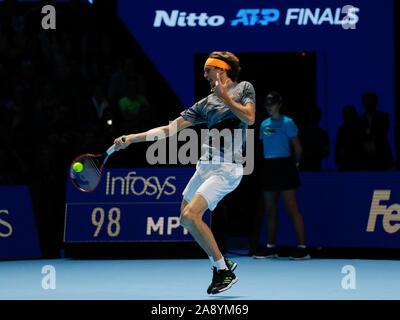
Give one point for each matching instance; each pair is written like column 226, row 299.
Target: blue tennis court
column 187, row 279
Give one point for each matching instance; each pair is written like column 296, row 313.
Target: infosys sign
column 347, row 17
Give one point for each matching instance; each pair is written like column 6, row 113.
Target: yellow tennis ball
column 78, row 167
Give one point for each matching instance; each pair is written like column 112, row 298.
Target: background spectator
column 374, row 127
column 315, row 142
column 348, row 144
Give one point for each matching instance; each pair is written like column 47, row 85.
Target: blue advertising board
column 140, row 204
column 18, row 234
column 353, row 43
column 345, row 209
column 340, row 209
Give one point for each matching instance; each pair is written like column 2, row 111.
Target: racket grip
column 111, row 149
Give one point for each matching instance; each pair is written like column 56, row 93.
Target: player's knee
column 187, row 218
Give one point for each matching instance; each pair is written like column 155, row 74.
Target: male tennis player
column 230, row 105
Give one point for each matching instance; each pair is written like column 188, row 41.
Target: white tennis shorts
column 213, row 181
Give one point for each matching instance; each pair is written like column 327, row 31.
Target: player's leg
column 192, row 219
column 193, row 207
column 207, row 195
column 201, row 194
column 231, row 265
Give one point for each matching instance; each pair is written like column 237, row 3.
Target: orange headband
column 217, row 63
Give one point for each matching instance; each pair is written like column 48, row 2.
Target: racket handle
column 111, row 149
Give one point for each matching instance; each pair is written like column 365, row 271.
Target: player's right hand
column 121, row 143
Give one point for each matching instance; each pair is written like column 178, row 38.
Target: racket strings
column 94, row 166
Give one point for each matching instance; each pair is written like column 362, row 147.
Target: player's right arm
column 153, row 134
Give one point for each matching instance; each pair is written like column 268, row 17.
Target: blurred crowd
column 63, row 92
column 361, row 142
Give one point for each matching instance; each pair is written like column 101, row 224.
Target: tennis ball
column 78, row 167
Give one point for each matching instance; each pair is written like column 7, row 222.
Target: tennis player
column 230, row 105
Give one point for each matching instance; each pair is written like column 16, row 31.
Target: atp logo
column 252, row 17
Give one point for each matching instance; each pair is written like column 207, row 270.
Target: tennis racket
column 86, row 169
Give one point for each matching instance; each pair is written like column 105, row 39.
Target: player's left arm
column 246, row 113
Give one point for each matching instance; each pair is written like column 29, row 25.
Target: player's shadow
column 226, row 297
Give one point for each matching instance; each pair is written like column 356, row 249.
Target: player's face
column 210, row 73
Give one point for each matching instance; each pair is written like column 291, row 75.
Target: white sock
column 220, row 264
column 270, row 245
column 302, row 246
